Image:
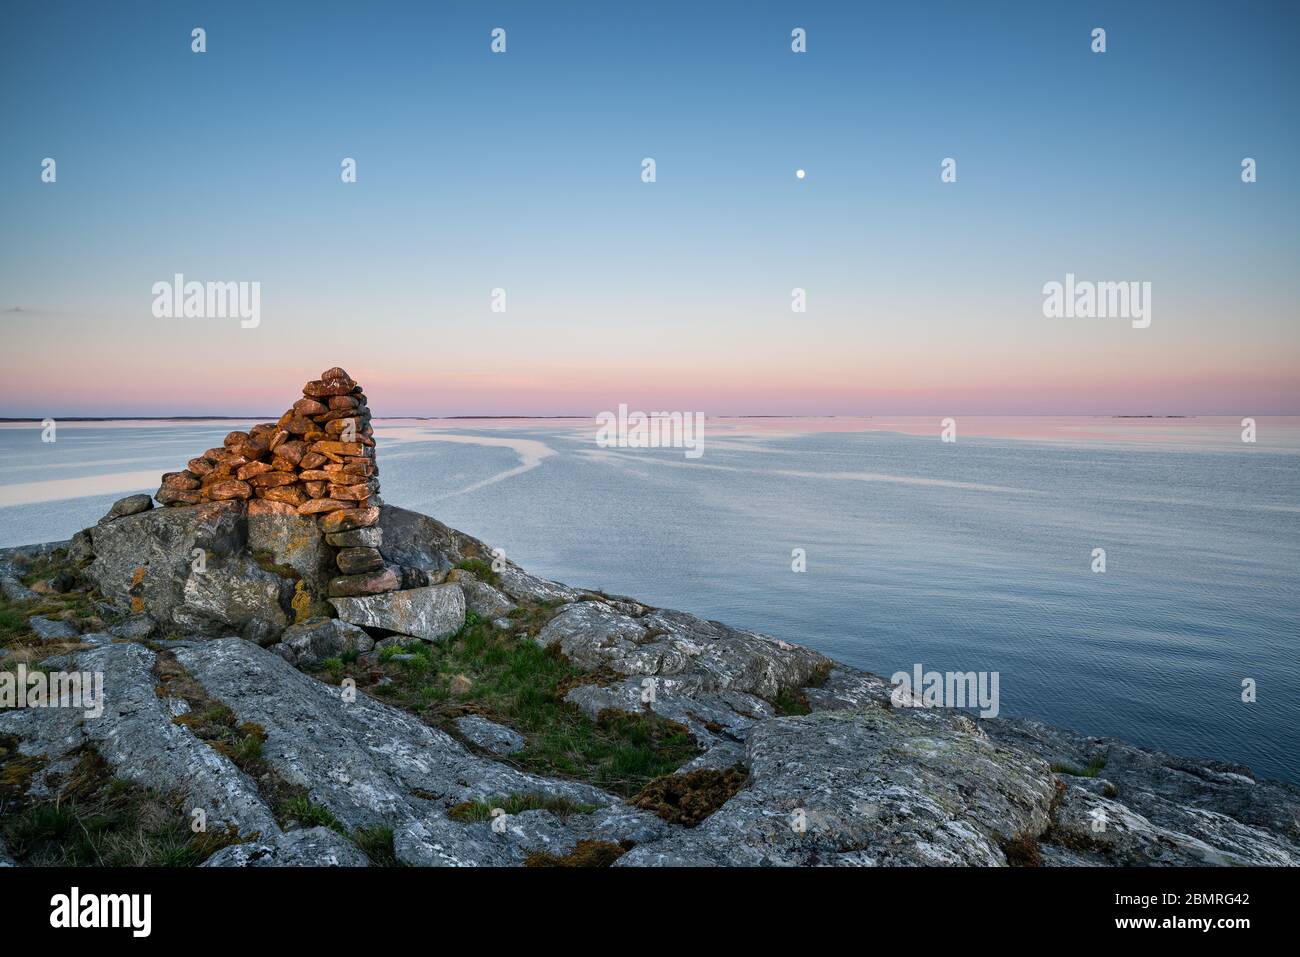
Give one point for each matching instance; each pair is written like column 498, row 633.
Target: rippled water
column 967, row 557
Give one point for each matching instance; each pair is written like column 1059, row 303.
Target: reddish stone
column 219, row 473
column 361, row 467
column 246, row 472
column 317, row 506
column 349, row 519
column 176, row 496
column 255, row 446
column 182, row 481
column 338, row 427
column 305, row 406
column 287, row 494
column 322, row 388
column 292, row 451
column 353, row 493
column 266, row 506
column 370, row 583
column 326, row 447
column 230, row 489
column 271, row 479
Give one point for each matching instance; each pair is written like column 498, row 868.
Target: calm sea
column 971, row 556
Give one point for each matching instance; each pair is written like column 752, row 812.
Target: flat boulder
column 419, row 541
column 367, row 583
column 345, row 520
column 311, row 642
column 488, row 735
column 431, row 613
column 49, row 629
column 134, row 628
column 131, row 505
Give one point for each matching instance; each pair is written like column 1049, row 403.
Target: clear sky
column 522, row 171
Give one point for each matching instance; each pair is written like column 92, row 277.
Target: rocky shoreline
column 850, row 781
column 442, row 706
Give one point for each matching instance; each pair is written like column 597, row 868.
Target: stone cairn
column 318, row 459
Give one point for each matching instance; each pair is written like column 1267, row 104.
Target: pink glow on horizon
column 267, row 388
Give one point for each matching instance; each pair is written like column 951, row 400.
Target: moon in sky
column 799, row 174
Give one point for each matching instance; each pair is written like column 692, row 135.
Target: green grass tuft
column 471, row 811
column 480, row 569
column 1091, row 771
column 508, row 677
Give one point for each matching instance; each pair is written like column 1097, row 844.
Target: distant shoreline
column 7, row 420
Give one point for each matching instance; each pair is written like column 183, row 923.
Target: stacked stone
column 318, row 459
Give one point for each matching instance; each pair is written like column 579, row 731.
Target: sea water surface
column 968, row 556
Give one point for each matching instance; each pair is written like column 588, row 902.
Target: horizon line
column 736, row 415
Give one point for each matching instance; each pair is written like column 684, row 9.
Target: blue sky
column 521, row 171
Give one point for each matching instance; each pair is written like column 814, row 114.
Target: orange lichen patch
column 301, row 603
column 137, row 585
column 586, row 853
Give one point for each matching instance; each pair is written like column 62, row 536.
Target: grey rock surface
column 1224, row 806
column 1098, row 829
column 134, row 627
column 190, row 568
column 521, row 586
column 432, row 612
column 49, row 629
column 490, row 736
column 309, row 847
column 484, row 600
column 80, row 547
column 867, row 787
column 705, row 656
column 371, row 537
column 367, row 762
column 309, row 643
column 419, row 541
column 13, row 589
column 13, row 563
column 136, row 735
column 235, row 593
column 295, row 542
